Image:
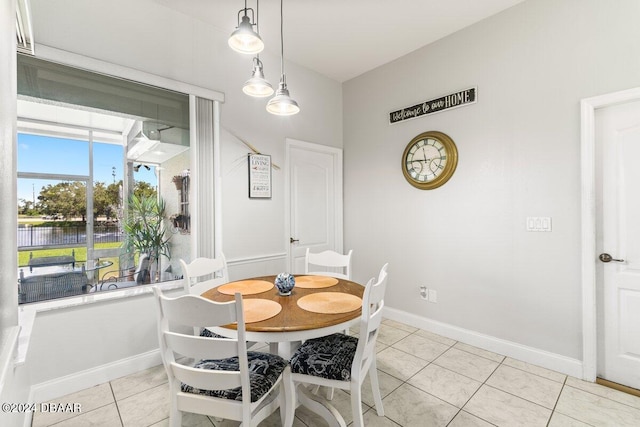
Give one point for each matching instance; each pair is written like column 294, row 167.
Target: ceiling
column 342, row 39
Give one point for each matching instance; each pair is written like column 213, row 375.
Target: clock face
column 429, row 160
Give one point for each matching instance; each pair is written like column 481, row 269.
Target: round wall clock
column 429, row 160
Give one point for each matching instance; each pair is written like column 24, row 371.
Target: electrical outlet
column 424, row 292
column 433, row 295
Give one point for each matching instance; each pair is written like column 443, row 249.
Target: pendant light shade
column 257, row 85
column 244, row 39
column 282, row 104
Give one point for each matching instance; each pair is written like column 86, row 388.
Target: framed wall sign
column 259, row 176
column 447, row 102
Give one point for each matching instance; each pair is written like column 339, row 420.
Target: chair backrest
column 372, row 305
column 142, row 272
column 174, row 314
column 331, row 263
column 202, row 274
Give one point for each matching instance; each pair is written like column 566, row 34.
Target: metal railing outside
column 29, row 237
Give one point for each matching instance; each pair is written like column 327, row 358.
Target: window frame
column 194, row 92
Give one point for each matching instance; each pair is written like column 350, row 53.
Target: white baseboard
column 91, row 377
column 545, row 359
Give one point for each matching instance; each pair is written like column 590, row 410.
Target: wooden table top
column 292, row 317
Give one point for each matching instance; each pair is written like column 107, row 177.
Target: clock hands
column 416, row 165
column 430, row 165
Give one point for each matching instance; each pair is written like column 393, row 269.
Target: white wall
column 146, row 36
column 518, row 157
column 150, row 37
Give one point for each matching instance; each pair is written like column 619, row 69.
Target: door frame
column 588, row 106
column 336, row 153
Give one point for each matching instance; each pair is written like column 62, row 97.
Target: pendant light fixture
column 244, row 39
column 257, row 85
column 282, row 104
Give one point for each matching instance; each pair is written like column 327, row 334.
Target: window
column 87, row 145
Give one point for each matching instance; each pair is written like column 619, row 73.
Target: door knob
column 607, row 258
column 292, row 240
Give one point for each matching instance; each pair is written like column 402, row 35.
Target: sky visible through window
column 44, row 154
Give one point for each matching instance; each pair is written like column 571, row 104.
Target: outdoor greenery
column 68, row 200
column 80, row 253
column 144, row 227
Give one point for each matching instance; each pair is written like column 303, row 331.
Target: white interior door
column 315, row 200
column 618, row 147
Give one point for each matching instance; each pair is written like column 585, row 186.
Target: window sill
column 92, row 298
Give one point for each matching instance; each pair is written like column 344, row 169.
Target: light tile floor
column 425, row 380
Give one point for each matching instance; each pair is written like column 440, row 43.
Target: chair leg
column 375, row 387
column 356, row 404
column 329, row 393
column 175, row 416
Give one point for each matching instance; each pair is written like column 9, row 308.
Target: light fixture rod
column 281, row 39
column 253, row 17
column 282, row 104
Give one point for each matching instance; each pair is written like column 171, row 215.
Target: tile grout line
column 116, row 402
column 564, row 384
column 402, row 382
column 478, row 389
column 553, row 411
column 431, row 362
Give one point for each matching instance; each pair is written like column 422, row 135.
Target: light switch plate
column 538, row 223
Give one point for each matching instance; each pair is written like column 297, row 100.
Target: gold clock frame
column 449, row 168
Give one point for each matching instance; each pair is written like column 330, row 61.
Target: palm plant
column 144, row 227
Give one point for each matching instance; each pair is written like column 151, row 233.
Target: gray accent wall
column 519, row 157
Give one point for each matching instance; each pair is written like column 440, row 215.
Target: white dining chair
column 202, row 274
column 343, row 361
column 226, row 381
column 328, row 263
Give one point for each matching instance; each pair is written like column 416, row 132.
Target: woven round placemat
column 330, row 302
column 315, row 282
column 257, row 309
column 245, row 287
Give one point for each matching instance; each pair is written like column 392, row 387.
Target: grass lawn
column 80, row 253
